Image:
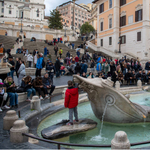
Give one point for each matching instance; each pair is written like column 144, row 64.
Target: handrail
column 78, row 145
column 61, row 143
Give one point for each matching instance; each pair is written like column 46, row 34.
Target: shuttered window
column 101, row 42
column 110, row 23
column 122, row 2
column 122, row 21
column 101, row 8
column 110, row 40
column 101, row 26
column 138, row 36
column 123, row 39
column 138, row 15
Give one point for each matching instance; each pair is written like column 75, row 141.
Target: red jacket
column 76, row 59
column 71, row 98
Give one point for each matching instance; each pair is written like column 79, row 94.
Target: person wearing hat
column 3, row 97
column 39, row 65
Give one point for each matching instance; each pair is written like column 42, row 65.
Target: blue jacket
column 39, row 63
column 99, row 59
column 45, row 51
column 147, row 66
column 99, row 67
column 84, row 68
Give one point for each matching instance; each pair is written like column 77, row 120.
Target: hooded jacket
column 71, row 97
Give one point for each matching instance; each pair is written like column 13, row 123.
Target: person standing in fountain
column 71, row 102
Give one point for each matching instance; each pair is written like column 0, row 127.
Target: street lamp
column 65, row 30
column 21, row 26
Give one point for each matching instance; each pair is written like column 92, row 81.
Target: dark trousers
column 2, row 101
column 39, row 90
column 51, row 75
column 56, row 53
column 38, row 72
column 57, row 73
column 60, row 55
column 52, row 89
column 30, row 63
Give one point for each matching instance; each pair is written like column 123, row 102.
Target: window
column 63, row 20
column 138, row 36
column 130, row 19
column 110, row 3
column 67, row 21
column 138, row 15
column 37, row 13
column 9, row 11
column 110, row 23
column 2, row 3
column 110, row 40
column 9, row 5
column 101, row 26
column 123, row 39
column 2, row 10
column 75, row 24
column 101, row 8
column 122, row 21
column 76, row 19
column 122, row 2
column 101, row 42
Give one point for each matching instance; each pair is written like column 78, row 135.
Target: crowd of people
column 124, row 69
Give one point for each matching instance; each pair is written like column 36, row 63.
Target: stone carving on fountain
column 119, row 108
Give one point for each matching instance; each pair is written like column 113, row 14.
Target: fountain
column 119, row 110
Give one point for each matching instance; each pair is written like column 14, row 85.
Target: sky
column 52, row 4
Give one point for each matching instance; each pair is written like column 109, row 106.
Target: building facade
column 124, row 25
column 81, row 14
column 93, row 19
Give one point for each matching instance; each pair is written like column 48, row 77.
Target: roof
column 75, row 3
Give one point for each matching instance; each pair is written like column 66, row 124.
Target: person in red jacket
column 76, row 59
column 71, row 102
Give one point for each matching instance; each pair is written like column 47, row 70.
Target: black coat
column 57, row 65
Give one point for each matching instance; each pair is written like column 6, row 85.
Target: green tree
column 55, row 20
column 86, row 28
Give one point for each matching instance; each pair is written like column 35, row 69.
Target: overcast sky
column 52, row 4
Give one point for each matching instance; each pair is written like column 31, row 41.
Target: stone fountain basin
column 61, row 130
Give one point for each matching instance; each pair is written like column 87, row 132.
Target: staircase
column 8, row 41
column 39, row 44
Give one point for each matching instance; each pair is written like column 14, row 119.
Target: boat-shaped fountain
column 120, row 109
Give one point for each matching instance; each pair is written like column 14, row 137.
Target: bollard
column 36, row 103
column 9, row 119
column 120, row 141
column 139, row 83
column 63, row 93
column 117, row 85
column 16, row 131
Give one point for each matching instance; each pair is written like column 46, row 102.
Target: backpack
column 43, row 63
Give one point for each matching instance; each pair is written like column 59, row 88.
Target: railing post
column 58, row 146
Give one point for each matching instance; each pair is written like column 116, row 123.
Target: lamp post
column 21, row 26
column 65, row 30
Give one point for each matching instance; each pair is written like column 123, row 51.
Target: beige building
column 124, row 25
column 81, row 14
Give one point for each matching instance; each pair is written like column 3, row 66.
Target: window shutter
column 99, row 8
column 120, row 21
column 124, row 20
column 136, row 16
column 124, row 39
column 141, row 14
